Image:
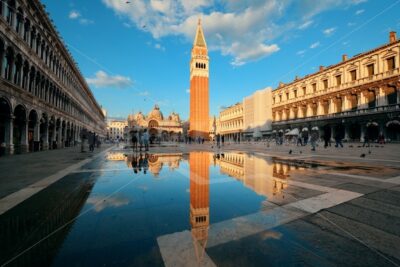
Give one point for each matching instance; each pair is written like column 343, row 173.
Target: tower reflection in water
column 199, row 163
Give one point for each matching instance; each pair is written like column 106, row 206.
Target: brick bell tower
column 199, row 96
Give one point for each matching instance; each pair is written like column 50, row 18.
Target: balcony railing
column 350, row 84
column 347, row 113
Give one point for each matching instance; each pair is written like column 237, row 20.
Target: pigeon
column 362, row 155
column 350, row 145
column 290, row 151
column 369, row 151
column 301, row 152
column 358, row 146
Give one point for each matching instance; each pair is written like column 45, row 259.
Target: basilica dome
column 155, row 114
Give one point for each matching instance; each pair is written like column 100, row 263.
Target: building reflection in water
column 265, row 176
column 143, row 162
column 199, row 164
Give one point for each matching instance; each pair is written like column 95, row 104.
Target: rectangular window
column 353, row 75
column 295, row 93
column 280, row 98
column 338, row 80
column 314, row 87
column 325, row 82
column 370, row 69
column 390, row 63
column 287, row 96
column 304, row 90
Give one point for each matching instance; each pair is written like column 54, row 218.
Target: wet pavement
column 209, row 209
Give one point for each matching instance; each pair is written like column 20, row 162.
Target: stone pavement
column 339, row 209
column 27, row 173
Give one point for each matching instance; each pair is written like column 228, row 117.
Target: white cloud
column 357, row 2
column 144, row 93
column 314, row 45
column 74, row 14
column 329, row 31
column 359, row 12
column 102, row 79
column 159, row 47
column 244, row 30
column 102, row 202
column 305, row 25
column 301, row 52
column 351, row 24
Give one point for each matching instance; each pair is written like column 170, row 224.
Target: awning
column 295, row 131
column 274, row 131
column 305, row 129
column 393, row 122
column 281, row 131
column 315, row 128
column 287, row 130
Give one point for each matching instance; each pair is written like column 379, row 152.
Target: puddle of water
column 115, row 209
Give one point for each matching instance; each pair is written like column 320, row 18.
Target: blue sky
column 136, row 54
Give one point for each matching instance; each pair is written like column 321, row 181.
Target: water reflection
column 199, row 163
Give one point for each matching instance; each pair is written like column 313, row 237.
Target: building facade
column 45, row 102
column 164, row 129
column 257, row 113
column 199, row 95
column 116, row 129
column 355, row 98
column 231, row 122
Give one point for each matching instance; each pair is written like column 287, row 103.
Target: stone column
column 10, row 136
column 346, row 132
column 291, row 113
column 347, row 102
column 59, row 140
column 320, row 109
column 45, row 137
column 381, row 97
column 363, row 130
column 24, row 138
column 300, row 113
column 53, row 136
column 309, row 111
column 36, row 136
column 332, row 107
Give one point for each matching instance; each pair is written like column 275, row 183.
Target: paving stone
column 385, row 222
column 387, row 196
column 372, row 237
column 363, row 189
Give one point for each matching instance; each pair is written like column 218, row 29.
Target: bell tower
column 199, row 95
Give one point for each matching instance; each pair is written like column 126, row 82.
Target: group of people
column 140, row 141
column 140, row 162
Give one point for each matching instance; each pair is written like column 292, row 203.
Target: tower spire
column 199, row 40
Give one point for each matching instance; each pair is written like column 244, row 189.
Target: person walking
column 91, row 140
column 146, row 140
column 366, row 140
column 134, row 142
column 222, row 140
column 327, row 140
column 313, row 140
column 338, row 140
column 218, row 140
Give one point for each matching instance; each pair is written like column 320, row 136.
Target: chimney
column 321, row 68
column 392, row 37
column 344, row 57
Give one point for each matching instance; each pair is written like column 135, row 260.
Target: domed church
column 166, row 129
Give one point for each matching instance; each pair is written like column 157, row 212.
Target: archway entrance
column 393, row 130
column 354, row 131
column 32, row 124
column 19, row 131
column 372, row 131
column 5, row 112
column 339, row 131
column 43, row 132
column 153, row 135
